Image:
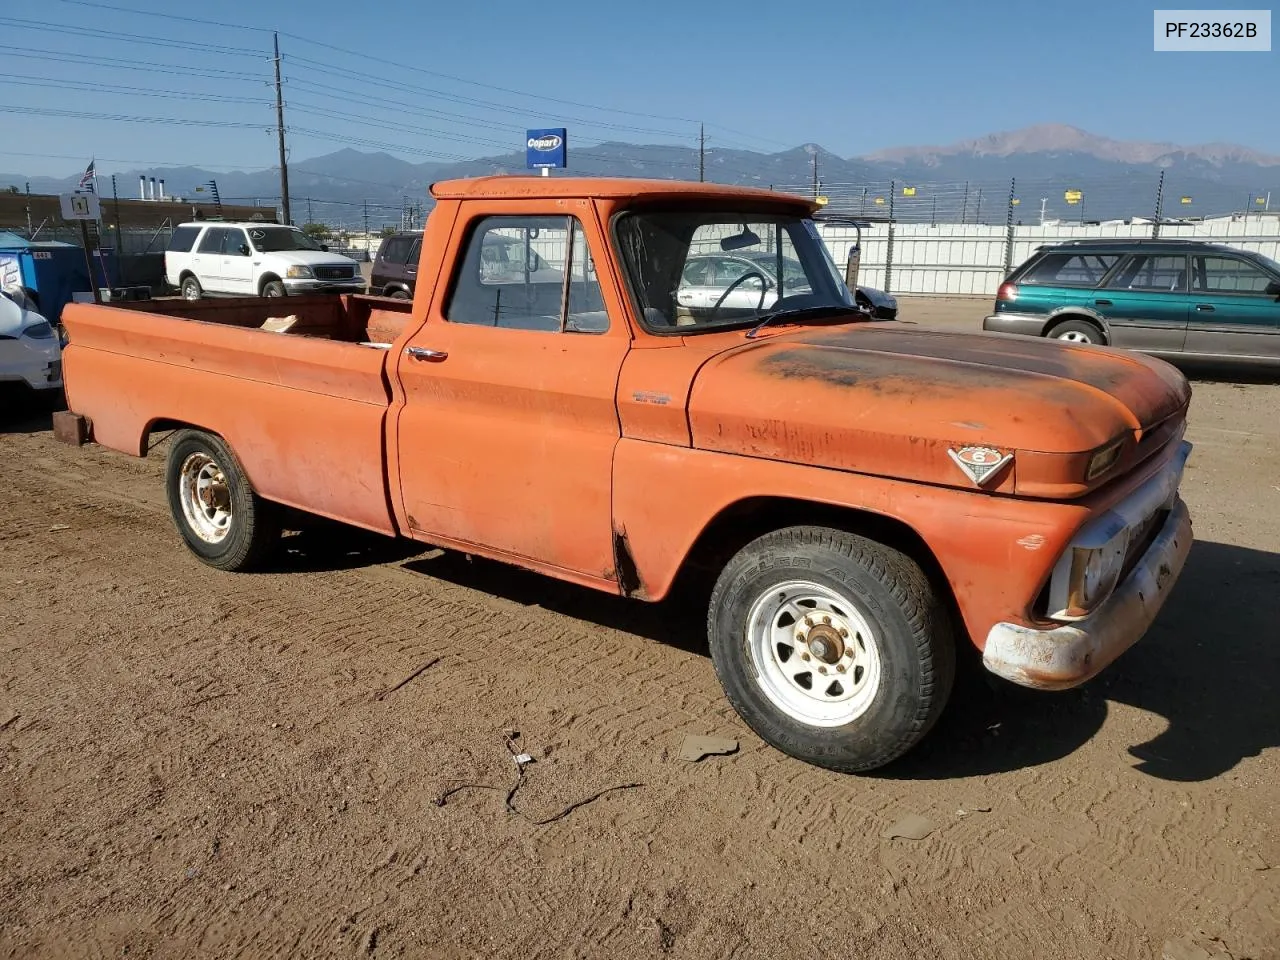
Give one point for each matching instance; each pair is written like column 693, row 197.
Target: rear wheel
column 222, row 520
column 191, row 289
column 1077, row 331
column 833, row 648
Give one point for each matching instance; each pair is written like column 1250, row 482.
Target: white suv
column 254, row 260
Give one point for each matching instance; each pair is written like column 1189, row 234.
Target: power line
column 118, row 63
column 54, row 83
column 124, row 118
column 74, row 30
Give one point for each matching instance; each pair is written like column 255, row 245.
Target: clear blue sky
column 853, row 77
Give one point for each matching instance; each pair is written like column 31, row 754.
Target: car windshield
column 271, row 239
column 699, row 270
column 1270, row 264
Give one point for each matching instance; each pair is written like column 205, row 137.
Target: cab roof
column 623, row 188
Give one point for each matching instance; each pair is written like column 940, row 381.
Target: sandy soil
column 197, row 764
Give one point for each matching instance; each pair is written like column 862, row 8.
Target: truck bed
column 311, row 433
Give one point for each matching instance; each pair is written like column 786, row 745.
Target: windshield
column 1272, row 265
column 271, row 239
column 695, row 270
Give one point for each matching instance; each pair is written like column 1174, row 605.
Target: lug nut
column 844, row 634
column 822, row 669
column 808, row 621
column 826, row 620
column 804, row 656
column 840, row 668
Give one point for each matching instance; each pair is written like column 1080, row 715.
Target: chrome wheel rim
column 189, row 291
column 1075, row 336
column 206, row 498
column 815, row 655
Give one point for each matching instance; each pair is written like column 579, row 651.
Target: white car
column 30, row 350
column 226, row 259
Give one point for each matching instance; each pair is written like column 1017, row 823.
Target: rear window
column 1071, row 269
column 183, row 239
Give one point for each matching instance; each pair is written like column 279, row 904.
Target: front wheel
column 222, row 520
column 833, row 648
column 273, row 288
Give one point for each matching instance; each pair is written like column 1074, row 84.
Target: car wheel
column 191, row 289
column 399, row 295
column 1077, row 331
column 273, row 288
column 833, row 648
column 222, row 520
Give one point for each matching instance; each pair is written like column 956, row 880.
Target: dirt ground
column 198, row 764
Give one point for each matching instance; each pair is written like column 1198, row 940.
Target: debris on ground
column 59, row 526
column 1195, row 946
column 969, row 808
column 911, row 827
column 696, row 748
column 509, row 739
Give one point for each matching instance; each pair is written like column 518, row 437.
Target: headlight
column 1085, row 577
column 41, row 330
column 1104, row 460
column 299, row 273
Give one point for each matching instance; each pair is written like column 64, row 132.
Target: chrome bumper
column 1066, row 656
column 355, row 285
column 1023, row 323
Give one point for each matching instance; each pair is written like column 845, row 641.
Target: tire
column 1077, row 331
column 399, row 295
column 191, row 289
column 902, row 669
column 232, row 528
column 274, row 288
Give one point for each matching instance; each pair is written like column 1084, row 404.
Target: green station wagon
column 1166, row 297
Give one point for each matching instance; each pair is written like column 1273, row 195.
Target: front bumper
column 1024, row 323
column 1066, row 656
column 37, row 363
column 356, row 285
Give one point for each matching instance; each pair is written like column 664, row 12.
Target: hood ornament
column 980, row 464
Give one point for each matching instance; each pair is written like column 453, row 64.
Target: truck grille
column 335, row 273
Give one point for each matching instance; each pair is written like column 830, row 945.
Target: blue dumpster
column 52, row 269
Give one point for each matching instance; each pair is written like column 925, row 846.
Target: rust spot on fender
column 624, row 563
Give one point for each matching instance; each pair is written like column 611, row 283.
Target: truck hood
column 906, row 404
column 310, row 258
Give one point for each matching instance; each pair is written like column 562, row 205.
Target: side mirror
column 1273, row 288
column 244, row 250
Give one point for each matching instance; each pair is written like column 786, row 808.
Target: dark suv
column 1165, row 297
column 396, row 266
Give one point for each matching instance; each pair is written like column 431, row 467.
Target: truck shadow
column 1206, row 668
column 24, row 411
column 1240, row 374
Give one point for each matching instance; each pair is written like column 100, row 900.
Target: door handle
column 1206, row 307
column 1103, row 303
column 422, row 353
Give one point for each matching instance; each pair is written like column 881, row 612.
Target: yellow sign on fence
column 879, row 201
column 1072, row 196
column 1186, row 200
column 908, row 191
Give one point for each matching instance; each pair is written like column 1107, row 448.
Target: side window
column 394, row 250
column 697, row 273
column 211, row 242
column 415, row 254
column 1071, row 269
column 183, row 239
column 1145, row 271
column 234, row 240
column 513, row 275
column 1229, row 276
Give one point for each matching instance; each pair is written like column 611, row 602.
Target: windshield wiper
column 816, row 311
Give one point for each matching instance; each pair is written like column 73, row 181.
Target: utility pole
column 815, row 174
column 115, row 203
column 28, row 210
column 1008, row 227
column 702, row 152
column 977, row 215
column 366, row 219
column 1155, row 228
column 1043, row 202
column 284, row 165
column 964, row 206
column 310, row 216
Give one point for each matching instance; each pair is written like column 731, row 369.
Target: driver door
column 237, row 263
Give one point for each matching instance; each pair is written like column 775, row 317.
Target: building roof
column 12, row 241
column 524, row 186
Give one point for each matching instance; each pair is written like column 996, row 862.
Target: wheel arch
column 738, row 523
column 268, row 276
column 1077, row 313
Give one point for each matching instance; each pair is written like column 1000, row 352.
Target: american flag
column 86, row 181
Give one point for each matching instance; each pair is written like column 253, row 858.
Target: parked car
column 30, row 348
column 856, row 501
column 252, row 259
column 749, row 280
column 396, row 267
column 1173, row 298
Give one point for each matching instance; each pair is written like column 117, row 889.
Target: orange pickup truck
column 634, row 385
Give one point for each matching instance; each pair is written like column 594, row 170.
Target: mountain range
column 968, row 180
